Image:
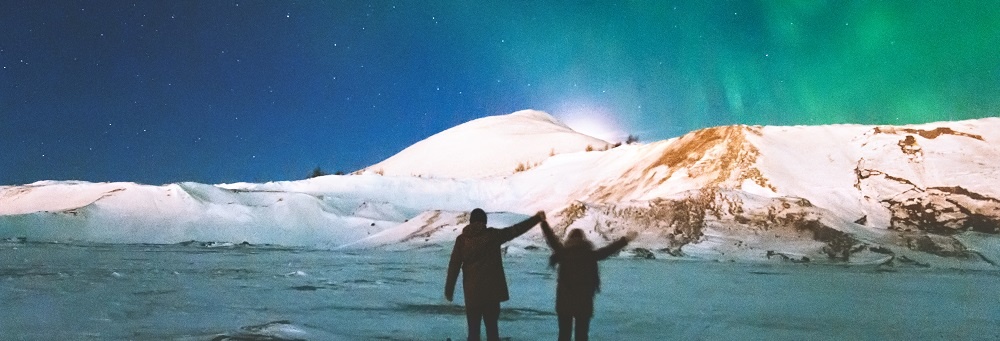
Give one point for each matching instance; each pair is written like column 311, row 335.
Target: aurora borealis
column 223, row 91
column 684, row 65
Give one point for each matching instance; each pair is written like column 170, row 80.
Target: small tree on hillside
column 632, row 139
column 316, row 172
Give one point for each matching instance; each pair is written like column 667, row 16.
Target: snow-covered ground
column 852, row 194
column 203, row 292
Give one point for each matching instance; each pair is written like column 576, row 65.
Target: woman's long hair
column 575, row 240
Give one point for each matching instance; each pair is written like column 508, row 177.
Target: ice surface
column 192, row 292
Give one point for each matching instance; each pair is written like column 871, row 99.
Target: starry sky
column 225, row 91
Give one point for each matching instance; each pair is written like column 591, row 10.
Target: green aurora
column 682, row 65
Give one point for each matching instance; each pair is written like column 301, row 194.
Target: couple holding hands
column 477, row 255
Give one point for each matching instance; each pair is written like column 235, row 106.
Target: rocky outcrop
column 944, row 210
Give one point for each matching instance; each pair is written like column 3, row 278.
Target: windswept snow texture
column 917, row 194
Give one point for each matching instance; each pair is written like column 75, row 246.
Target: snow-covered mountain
column 915, row 194
column 488, row 146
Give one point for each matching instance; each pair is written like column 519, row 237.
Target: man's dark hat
column 478, row 215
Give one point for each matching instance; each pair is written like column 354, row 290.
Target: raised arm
column 454, row 266
column 550, row 237
column 508, row 233
column 610, row 249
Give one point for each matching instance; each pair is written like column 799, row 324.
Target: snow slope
column 917, row 195
column 489, row 146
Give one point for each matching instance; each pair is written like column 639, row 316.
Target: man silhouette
column 477, row 255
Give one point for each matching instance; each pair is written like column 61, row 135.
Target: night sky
column 224, row 91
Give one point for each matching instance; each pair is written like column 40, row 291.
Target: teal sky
column 239, row 90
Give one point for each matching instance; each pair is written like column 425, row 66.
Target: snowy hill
column 902, row 195
column 850, row 189
column 489, row 146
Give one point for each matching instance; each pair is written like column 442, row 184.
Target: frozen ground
column 197, row 292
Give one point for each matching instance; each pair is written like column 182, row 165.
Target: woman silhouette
column 578, row 280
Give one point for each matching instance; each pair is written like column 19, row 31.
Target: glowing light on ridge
column 591, row 120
